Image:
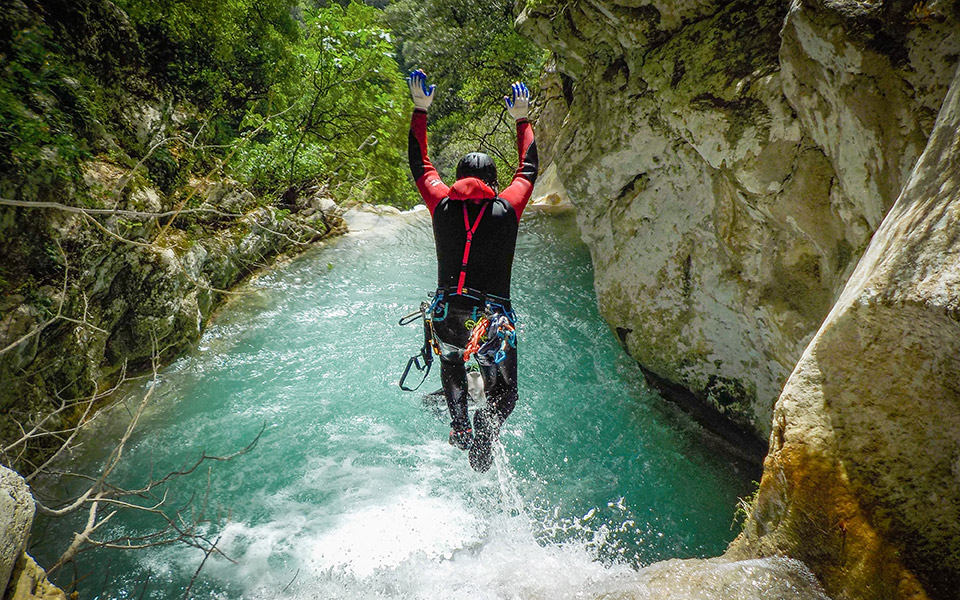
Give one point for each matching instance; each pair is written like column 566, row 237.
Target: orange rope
column 479, row 330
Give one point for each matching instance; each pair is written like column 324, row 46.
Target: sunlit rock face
column 729, row 162
column 16, row 517
column 862, row 481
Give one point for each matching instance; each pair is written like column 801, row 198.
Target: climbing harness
column 492, row 332
column 423, row 360
column 488, row 302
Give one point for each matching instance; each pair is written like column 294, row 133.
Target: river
column 352, row 490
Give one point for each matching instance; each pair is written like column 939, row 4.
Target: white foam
column 404, row 536
column 384, row 535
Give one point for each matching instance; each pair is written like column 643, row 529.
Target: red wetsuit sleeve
column 428, row 181
column 519, row 190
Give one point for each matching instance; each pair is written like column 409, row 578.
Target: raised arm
column 519, row 191
column 428, row 182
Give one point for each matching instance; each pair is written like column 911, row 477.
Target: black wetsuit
column 474, row 277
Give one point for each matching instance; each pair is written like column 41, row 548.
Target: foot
column 462, row 439
column 481, row 457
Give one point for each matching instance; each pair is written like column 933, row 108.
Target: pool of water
column 352, row 490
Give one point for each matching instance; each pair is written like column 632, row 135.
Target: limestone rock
column 32, row 584
column 16, row 518
column 147, row 200
column 549, row 190
column 326, row 206
column 780, row 578
column 148, row 120
column 681, row 168
column 549, row 111
column 862, row 481
column 16, row 325
column 229, row 197
column 727, row 180
column 102, row 175
column 866, row 81
column 317, row 199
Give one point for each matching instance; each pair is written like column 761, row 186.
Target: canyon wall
column 729, row 162
column 771, row 194
column 862, row 481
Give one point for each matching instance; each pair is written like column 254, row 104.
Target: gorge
column 769, row 194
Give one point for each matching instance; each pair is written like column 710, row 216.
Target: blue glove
column 518, row 102
column 421, row 94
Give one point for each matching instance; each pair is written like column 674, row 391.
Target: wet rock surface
column 752, row 579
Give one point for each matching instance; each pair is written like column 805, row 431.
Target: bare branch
column 96, row 489
column 115, row 236
column 119, row 212
column 203, row 458
column 244, row 138
column 126, row 178
column 295, row 575
column 79, row 538
column 64, row 445
column 206, row 555
column 63, row 296
column 98, row 495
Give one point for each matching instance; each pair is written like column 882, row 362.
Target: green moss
column 48, row 110
column 164, row 170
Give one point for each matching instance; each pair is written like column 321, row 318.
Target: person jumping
column 475, row 231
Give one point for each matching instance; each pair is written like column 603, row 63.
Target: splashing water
column 353, row 492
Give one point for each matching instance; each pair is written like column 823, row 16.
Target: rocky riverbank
column 126, row 291
column 134, row 291
column 121, row 228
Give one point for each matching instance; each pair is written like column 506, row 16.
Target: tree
column 218, row 54
column 344, row 122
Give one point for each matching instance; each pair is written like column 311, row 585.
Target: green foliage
column 538, row 3
column 345, row 120
column 290, row 95
column 471, row 50
column 44, row 110
column 219, row 54
column 164, row 170
column 744, row 506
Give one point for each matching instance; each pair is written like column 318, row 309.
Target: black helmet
column 479, row 165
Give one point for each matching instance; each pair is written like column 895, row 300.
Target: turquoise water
column 352, row 490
